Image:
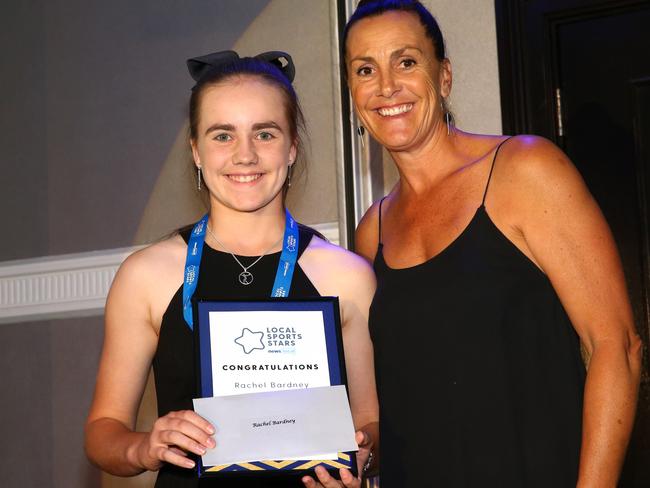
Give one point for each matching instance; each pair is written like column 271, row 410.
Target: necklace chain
column 245, row 277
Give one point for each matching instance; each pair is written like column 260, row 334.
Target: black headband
column 201, row 66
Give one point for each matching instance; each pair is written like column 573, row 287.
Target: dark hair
column 260, row 67
column 371, row 8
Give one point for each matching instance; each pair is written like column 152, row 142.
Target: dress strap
column 487, row 185
column 306, row 233
column 381, row 202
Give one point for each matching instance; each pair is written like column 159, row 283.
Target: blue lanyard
column 283, row 276
column 287, row 264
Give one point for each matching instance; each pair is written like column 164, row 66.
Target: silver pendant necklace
column 245, row 277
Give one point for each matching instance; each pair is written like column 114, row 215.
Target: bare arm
column 566, row 235
column 366, row 238
column 129, row 345
column 359, row 360
column 336, row 272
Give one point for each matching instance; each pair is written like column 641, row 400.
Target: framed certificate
column 249, row 347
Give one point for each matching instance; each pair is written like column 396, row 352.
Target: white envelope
column 278, row 425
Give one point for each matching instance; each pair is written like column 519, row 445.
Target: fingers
column 187, row 430
column 176, row 457
column 325, row 478
column 178, row 451
column 327, row 481
column 195, row 418
column 349, row 480
column 184, row 437
column 176, row 434
column 309, row 482
column 362, row 438
column 364, row 441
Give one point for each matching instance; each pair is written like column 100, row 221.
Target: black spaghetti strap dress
column 173, row 362
column 479, row 372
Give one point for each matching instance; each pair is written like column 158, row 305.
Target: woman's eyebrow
column 365, row 59
column 219, row 126
column 399, row 52
column 395, row 54
column 267, row 125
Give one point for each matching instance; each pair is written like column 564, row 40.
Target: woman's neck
column 246, row 233
column 425, row 167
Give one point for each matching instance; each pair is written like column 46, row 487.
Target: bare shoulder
column 533, row 159
column 147, row 281
column 336, row 261
column 340, row 273
column 367, row 234
column 335, row 271
column 154, row 261
column 531, row 169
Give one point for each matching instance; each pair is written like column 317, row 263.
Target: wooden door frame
column 512, row 51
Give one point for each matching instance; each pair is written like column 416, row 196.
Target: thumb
column 362, row 438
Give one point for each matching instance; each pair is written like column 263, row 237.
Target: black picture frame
column 329, row 307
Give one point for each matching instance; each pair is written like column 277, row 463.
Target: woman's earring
column 361, row 130
column 289, row 173
column 198, row 176
column 449, row 119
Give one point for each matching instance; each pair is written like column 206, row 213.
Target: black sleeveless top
column 173, row 362
column 479, row 372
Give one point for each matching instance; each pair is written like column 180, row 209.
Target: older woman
column 493, row 262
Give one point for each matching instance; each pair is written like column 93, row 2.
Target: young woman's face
column 243, row 144
column 395, row 79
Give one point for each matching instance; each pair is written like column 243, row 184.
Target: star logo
column 249, row 340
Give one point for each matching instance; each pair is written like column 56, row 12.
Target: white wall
column 469, row 29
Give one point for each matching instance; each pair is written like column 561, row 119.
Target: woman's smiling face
column 395, row 80
column 243, row 145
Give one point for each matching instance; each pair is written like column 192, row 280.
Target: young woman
column 245, row 125
column 493, row 262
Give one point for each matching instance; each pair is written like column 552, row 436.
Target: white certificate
column 256, row 351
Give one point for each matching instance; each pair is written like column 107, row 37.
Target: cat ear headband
column 199, row 67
